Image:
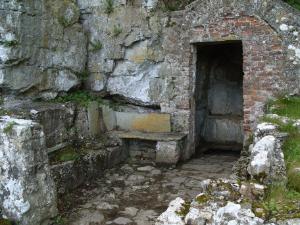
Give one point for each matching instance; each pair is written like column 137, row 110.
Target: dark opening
column 219, row 96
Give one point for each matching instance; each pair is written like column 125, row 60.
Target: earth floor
column 136, row 194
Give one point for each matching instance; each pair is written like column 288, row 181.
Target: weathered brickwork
column 268, row 68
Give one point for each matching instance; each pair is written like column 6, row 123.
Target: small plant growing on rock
column 184, row 210
column 96, row 46
column 9, row 127
column 108, row 6
column 8, row 44
column 117, row 30
column 83, row 75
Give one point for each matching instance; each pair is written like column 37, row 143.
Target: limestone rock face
column 266, row 157
column 216, row 205
column 262, row 155
column 170, row 216
column 42, row 47
column 27, row 191
column 234, row 214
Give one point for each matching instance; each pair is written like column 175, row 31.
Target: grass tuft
column 109, row 6
column 294, row 3
column 116, row 31
column 287, row 106
column 9, row 44
column 83, row 98
column 281, row 202
column 9, row 127
column 96, row 46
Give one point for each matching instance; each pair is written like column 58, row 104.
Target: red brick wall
column 263, row 59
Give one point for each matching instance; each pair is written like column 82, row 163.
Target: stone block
column 109, row 118
column 88, row 122
column 167, row 152
column 145, row 122
column 56, row 119
column 27, row 191
column 223, row 131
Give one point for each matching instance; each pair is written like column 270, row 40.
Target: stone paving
column 136, row 194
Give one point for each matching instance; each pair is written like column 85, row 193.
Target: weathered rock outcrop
column 27, row 191
column 266, row 157
column 42, row 47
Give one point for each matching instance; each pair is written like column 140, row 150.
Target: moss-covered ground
column 67, row 154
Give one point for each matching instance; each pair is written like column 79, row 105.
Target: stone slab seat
column 169, row 145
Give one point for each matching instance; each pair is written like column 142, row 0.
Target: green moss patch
column 200, row 199
column 65, row 155
column 184, row 210
column 5, row 222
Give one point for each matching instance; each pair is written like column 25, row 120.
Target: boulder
column 170, row 216
column 235, row 214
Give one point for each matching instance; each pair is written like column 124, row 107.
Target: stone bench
column 167, row 146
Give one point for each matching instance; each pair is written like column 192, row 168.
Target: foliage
column 108, row 6
column 96, row 45
column 116, row 31
column 185, row 208
column 281, row 202
column 9, row 43
column 294, row 3
column 59, row 220
column 9, row 127
column 4, row 112
column 82, row 98
column 286, row 106
column 83, row 75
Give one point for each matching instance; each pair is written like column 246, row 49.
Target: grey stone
column 267, row 159
column 130, row 211
column 223, row 131
column 135, row 179
column 122, row 220
column 145, row 168
column 167, row 152
column 235, row 214
column 87, row 217
column 28, row 196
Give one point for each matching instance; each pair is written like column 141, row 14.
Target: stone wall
column 144, row 54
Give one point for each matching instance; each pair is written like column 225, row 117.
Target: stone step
column 167, row 146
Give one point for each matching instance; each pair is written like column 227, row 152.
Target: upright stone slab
column 167, row 152
column 27, row 191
